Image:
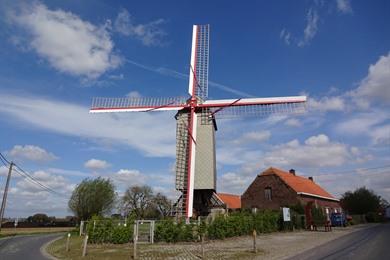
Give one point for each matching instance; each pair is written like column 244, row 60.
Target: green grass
column 6, row 232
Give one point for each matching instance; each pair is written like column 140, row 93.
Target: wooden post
column 135, row 238
column 202, row 246
column 81, row 227
column 67, row 243
column 4, row 201
column 254, row 241
column 85, row 245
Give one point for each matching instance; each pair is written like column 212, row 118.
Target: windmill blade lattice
column 251, row 110
column 128, row 104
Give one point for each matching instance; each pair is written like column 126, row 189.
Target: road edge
column 355, row 228
column 44, row 247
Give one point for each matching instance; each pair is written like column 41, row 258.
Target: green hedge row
column 106, row 230
column 223, row 226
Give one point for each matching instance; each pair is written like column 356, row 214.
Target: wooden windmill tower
column 196, row 125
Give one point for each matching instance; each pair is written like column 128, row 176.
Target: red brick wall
column 321, row 202
column 282, row 195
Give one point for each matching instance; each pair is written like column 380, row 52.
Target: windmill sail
column 231, row 108
column 134, row 104
column 199, row 67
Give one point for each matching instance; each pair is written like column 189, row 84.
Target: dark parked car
column 338, row 220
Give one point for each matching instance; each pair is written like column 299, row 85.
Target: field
column 26, row 231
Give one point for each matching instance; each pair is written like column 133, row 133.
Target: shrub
column 318, row 216
column 167, row 230
column 103, row 230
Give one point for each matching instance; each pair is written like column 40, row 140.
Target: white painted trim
column 150, row 109
column 192, row 169
column 192, row 67
column 244, row 101
column 318, row 196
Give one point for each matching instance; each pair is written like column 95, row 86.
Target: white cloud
column 253, row 137
column 128, row 177
column 117, row 77
column 95, row 164
column 134, row 94
column 3, row 171
column 371, row 124
column 285, row 36
column 293, row 122
column 318, row 140
column 376, row 85
column 317, row 151
column 234, row 183
column 67, row 42
column 55, row 182
column 151, row 133
column 325, row 104
column 32, row 153
column 381, row 135
column 311, row 27
column 149, row 34
column 344, row 6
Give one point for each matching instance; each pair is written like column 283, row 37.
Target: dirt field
column 24, row 231
column 270, row 246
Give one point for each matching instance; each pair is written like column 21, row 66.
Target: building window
column 268, row 193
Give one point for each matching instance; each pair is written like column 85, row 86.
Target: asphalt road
column 367, row 243
column 24, row 247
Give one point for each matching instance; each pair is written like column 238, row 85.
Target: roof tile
column 232, row 201
column 298, row 183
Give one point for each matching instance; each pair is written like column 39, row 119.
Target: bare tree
column 163, row 204
column 137, row 200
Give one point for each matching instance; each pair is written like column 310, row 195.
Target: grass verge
column 6, row 232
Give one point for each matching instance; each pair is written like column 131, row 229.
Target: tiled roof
column 299, row 184
column 232, row 201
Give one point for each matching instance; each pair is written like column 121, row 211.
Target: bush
column 242, row 223
column 223, row 226
column 169, row 231
column 103, row 230
column 318, row 216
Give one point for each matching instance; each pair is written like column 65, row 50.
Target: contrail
column 175, row 74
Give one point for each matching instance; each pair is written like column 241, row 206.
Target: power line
column 29, row 177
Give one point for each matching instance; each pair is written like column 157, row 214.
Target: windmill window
column 268, row 193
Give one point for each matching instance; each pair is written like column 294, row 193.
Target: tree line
column 98, row 197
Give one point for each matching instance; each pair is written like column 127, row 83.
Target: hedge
column 223, row 226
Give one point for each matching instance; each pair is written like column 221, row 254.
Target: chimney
column 311, row 178
column 292, row 171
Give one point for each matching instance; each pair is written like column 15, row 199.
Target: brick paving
column 280, row 245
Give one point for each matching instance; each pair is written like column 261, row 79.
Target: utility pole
column 5, row 194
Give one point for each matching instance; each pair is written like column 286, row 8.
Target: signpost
column 286, row 214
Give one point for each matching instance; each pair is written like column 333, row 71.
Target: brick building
column 275, row 188
column 232, row 202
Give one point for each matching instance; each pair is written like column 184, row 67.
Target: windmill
column 196, row 125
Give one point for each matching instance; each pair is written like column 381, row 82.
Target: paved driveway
column 24, row 247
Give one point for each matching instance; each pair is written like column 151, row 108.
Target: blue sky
column 57, row 55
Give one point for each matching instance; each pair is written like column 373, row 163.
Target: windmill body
column 196, row 126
